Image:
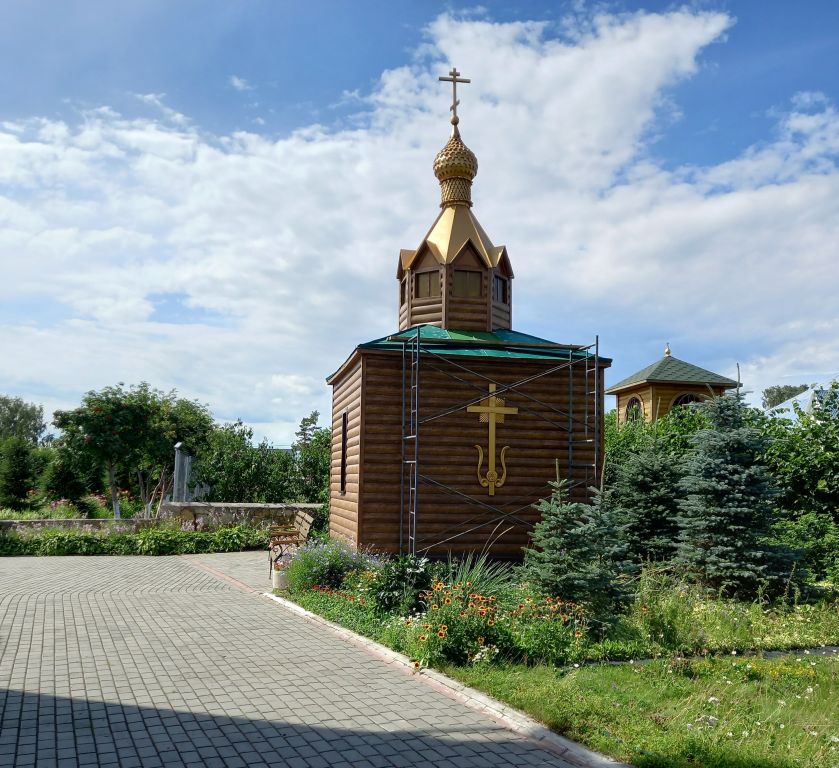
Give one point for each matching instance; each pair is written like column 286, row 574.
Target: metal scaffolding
column 584, row 415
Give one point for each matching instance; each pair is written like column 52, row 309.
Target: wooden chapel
column 448, row 431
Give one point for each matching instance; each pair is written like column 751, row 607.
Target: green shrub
column 149, row 541
column 398, row 583
column 458, row 626
column 817, row 536
column 326, row 562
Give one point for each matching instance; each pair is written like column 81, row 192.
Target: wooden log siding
column 657, row 399
column 448, row 454
column 346, row 397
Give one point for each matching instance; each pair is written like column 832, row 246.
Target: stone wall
column 123, row 526
column 200, row 514
column 218, row 513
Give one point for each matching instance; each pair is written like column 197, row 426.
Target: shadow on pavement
column 44, row 730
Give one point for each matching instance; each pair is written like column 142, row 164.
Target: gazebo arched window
column 686, row 399
column 634, row 409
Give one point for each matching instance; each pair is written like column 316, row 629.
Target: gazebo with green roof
column 653, row 391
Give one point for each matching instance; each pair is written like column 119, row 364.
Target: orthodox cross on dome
column 454, row 78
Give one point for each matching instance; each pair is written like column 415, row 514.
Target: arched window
column 634, row 409
column 686, row 399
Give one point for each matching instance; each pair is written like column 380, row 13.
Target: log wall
column 344, row 507
column 448, row 454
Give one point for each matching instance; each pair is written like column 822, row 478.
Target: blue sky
column 187, row 186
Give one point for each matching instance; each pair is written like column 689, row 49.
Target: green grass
column 779, row 713
column 708, row 713
column 670, row 617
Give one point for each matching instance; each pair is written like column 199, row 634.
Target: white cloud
column 239, row 83
column 293, row 241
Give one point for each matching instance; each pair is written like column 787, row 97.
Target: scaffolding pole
column 588, row 423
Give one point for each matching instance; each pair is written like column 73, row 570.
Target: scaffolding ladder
column 409, row 489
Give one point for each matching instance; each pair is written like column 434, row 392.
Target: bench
column 284, row 538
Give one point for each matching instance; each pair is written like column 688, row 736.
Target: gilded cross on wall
column 492, row 411
column 454, row 78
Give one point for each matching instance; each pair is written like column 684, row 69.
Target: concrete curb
column 573, row 753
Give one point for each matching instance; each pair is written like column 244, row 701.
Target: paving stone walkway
column 135, row 661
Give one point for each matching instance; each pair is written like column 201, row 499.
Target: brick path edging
column 509, row 717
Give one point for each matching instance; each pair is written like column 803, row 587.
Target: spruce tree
column 644, row 497
column 727, row 511
column 577, row 555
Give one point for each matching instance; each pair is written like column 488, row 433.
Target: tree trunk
column 112, row 481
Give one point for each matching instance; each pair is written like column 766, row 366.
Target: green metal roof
column 671, row 369
column 495, row 344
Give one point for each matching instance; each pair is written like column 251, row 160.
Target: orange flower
column 448, row 601
column 441, row 634
column 435, row 607
column 444, row 627
column 416, row 665
column 578, row 633
column 426, row 626
column 423, row 638
column 462, row 614
column 491, row 623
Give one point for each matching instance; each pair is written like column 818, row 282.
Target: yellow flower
column 416, row 665
column 448, row 601
column 481, row 640
column 491, row 623
column 435, row 607
column 578, row 633
column 444, row 627
column 441, row 634
column 423, row 638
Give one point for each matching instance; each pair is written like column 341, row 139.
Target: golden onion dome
column 455, row 166
column 455, row 160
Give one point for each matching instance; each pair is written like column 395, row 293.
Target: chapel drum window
column 500, row 288
column 467, row 283
column 427, row 284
